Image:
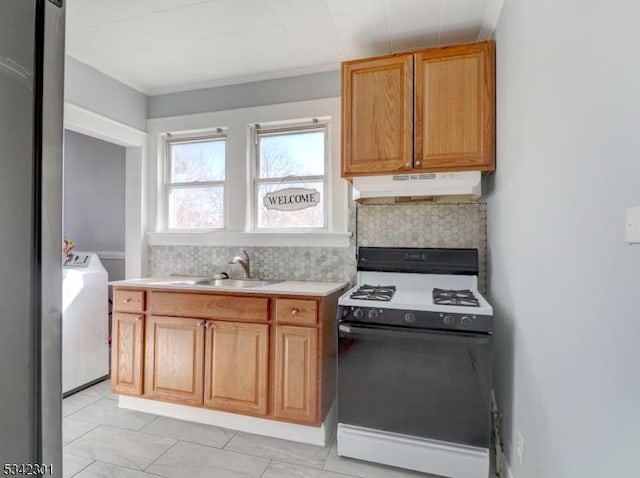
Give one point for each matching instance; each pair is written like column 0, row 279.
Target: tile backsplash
column 275, row 263
column 422, row 224
column 418, row 224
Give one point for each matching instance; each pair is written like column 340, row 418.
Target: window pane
column 192, row 208
column 310, row 217
column 198, row 161
column 299, row 154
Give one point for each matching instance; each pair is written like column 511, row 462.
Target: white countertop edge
column 317, row 288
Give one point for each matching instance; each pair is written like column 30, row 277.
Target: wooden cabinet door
column 296, row 368
column 377, row 114
column 174, row 356
column 127, row 340
column 455, row 108
column 236, row 367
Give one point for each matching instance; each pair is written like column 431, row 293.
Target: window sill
column 282, row 239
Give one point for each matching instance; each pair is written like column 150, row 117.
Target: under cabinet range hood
column 420, row 185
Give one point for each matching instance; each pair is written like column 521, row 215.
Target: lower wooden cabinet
column 275, row 358
column 236, row 367
column 127, row 333
column 296, row 370
column 174, row 359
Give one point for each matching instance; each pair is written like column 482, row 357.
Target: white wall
column 94, row 91
column 564, row 284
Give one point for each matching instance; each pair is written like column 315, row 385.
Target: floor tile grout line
column 82, row 469
column 316, row 469
column 80, row 436
column 119, row 465
column 284, row 460
column 111, row 425
column 84, row 406
column 142, row 430
column 235, row 432
column 266, row 468
column 160, row 456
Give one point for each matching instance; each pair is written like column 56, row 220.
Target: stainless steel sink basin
column 231, row 283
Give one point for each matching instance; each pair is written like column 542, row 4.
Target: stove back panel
column 418, row 260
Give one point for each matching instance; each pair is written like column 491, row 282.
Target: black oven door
column 429, row 384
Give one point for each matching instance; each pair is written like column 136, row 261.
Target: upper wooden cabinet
column 455, row 108
column 377, row 112
column 453, row 101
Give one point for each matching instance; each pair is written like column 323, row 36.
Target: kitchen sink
column 231, row 283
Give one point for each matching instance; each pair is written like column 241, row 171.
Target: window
column 195, row 186
column 293, row 157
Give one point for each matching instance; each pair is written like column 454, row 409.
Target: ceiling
column 161, row 46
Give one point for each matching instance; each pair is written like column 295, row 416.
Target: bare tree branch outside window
column 196, row 184
column 291, row 159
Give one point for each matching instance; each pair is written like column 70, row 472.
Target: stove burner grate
column 455, row 297
column 373, row 292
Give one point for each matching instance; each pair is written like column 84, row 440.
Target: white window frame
column 288, row 128
column 239, row 191
column 171, row 138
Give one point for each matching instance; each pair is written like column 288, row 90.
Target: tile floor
column 102, row 440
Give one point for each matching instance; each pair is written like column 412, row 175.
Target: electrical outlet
column 519, row 448
column 633, row 225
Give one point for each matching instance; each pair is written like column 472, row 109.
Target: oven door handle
column 352, row 331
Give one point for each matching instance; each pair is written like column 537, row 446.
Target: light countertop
column 314, row 288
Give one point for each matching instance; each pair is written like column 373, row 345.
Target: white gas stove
column 414, row 362
column 415, row 292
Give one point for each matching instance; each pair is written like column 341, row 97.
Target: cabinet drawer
column 210, row 306
column 296, row 311
column 128, row 300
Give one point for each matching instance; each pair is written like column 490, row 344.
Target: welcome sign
column 291, row 199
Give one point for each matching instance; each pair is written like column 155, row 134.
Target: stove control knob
column 373, row 314
column 465, row 321
column 409, row 317
column 448, row 320
column 358, row 313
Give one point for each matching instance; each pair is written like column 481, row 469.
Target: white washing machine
column 85, row 322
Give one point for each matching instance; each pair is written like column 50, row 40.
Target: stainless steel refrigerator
column 31, row 127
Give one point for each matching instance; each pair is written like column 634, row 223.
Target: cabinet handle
column 417, row 163
column 407, row 165
column 200, row 324
column 139, row 318
column 294, row 312
column 208, row 325
column 127, row 300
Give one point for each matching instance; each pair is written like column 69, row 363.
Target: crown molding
column 490, row 21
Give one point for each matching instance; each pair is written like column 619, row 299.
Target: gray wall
column 94, row 194
column 564, row 284
column 92, row 90
column 268, row 92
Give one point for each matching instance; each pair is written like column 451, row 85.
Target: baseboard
column 321, row 435
column 419, row 454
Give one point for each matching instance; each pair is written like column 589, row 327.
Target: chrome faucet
column 244, row 261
